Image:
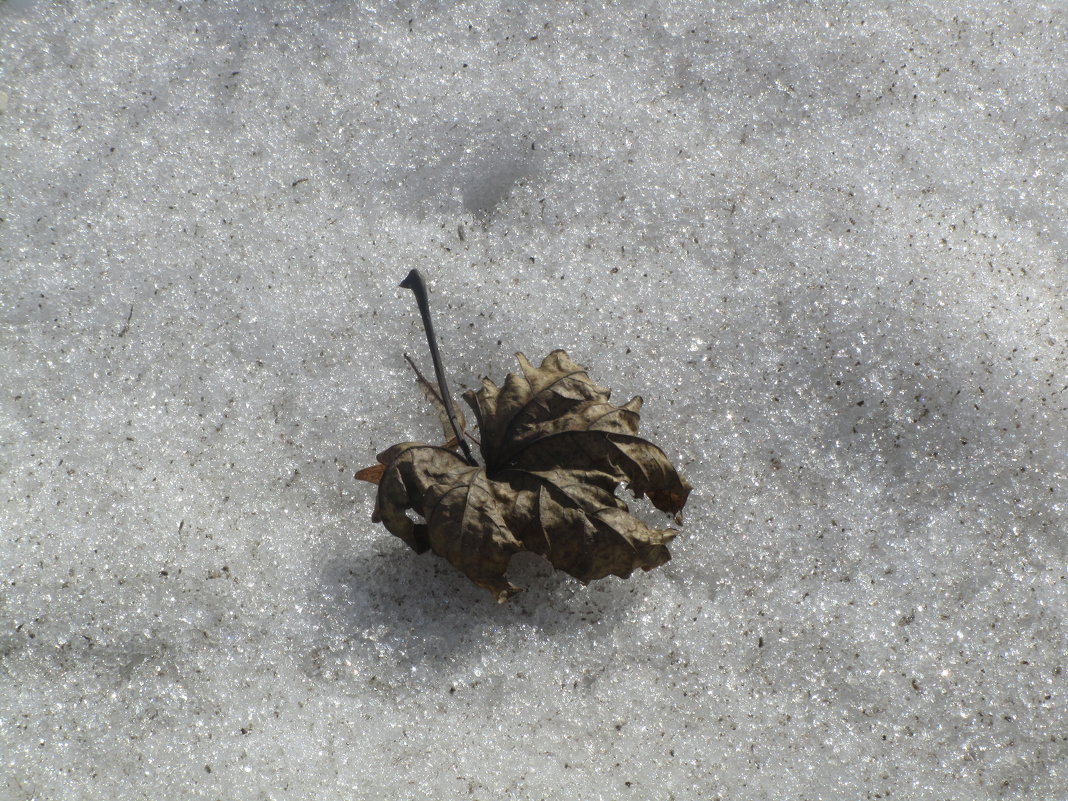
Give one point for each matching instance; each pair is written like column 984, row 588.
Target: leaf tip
column 372, row 474
column 524, row 363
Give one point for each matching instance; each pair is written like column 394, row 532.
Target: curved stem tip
column 414, row 282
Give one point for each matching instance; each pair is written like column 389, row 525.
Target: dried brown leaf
column 555, row 452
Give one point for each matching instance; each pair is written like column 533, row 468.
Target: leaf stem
column 414, row 282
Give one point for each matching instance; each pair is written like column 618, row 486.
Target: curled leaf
column 555, row 451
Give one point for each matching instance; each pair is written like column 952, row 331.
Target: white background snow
column 827, row 243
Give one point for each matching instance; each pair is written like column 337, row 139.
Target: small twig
column 434, row 396
column 414, row 282
column 126, row 327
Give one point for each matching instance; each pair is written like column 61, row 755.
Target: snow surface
column 826, row 242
